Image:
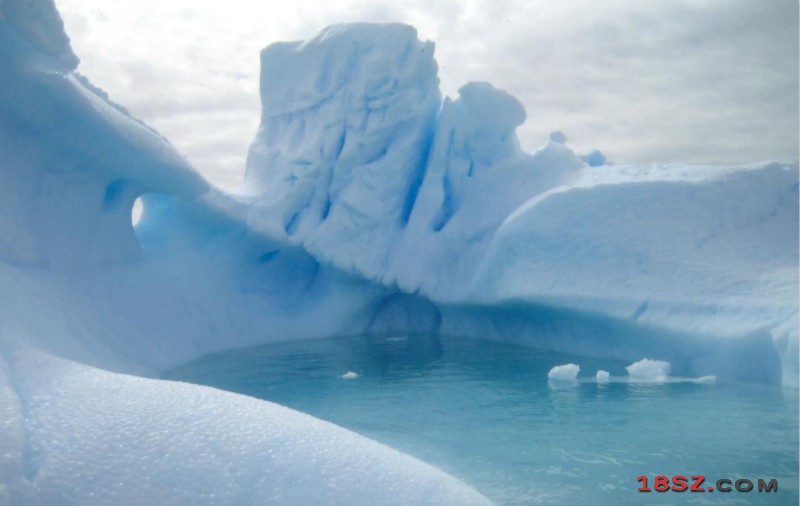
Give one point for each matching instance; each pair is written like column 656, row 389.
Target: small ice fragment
column 706, row 379
column 349, row 375
column 603, row 376
column 649, row 370
column 566, row 372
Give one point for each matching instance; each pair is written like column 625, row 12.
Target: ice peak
column 484, row 120
column 346, row 120
column 371, row 61
column 38, row 23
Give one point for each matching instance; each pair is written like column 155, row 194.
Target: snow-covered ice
column 566, row 372
column 602, row 376
column 372, row 204
column 649, row 370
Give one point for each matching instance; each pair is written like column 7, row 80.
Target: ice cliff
column 372, row 205
column 356, row 163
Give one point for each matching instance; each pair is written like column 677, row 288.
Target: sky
column 712, row 81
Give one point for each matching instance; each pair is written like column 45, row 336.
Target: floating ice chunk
column 603, row 376
column 566, row 372
column 706, row 379
column 649, row 370
column 349, row 375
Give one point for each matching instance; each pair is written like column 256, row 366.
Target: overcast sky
column 643, row 81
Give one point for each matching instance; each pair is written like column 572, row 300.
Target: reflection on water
column 485, row 412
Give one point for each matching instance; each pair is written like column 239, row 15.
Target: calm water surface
column 485, row 412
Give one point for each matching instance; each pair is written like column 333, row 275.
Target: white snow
column 90, row 436
column 649, row 370
column 566, row 372
column 372, row 205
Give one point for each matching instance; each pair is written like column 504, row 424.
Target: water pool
column 486, row 413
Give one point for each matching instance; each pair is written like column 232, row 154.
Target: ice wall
column 85, row 301
column 73, row 162
column 465, row 216
column 344, row 135
column 358, row 161
column 705, row 250
column 647, row 243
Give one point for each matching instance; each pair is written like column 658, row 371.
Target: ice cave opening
column 136, row 211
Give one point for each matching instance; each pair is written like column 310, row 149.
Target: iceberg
column 372, row 204
column 90, row 312
column 649, row 370
column 566, row 372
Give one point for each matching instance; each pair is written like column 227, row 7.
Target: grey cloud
column 695, row 81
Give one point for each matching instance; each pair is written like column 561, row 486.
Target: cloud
column 678, row 80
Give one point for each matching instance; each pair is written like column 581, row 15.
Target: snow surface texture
column 217, row 448
column 372, row 205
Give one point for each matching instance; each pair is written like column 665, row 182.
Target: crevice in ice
column 292, row 224
column 340, row 142
column 326, row 207
column 447, row 208
column 418, row 176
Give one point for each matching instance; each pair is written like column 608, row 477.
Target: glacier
column 372, row 204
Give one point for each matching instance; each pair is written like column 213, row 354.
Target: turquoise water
column 485, row 412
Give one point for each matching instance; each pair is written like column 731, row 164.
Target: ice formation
column 372, row 205
column 649, row 370
column 602, row 376
column 566, row 372
column 706, row 379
